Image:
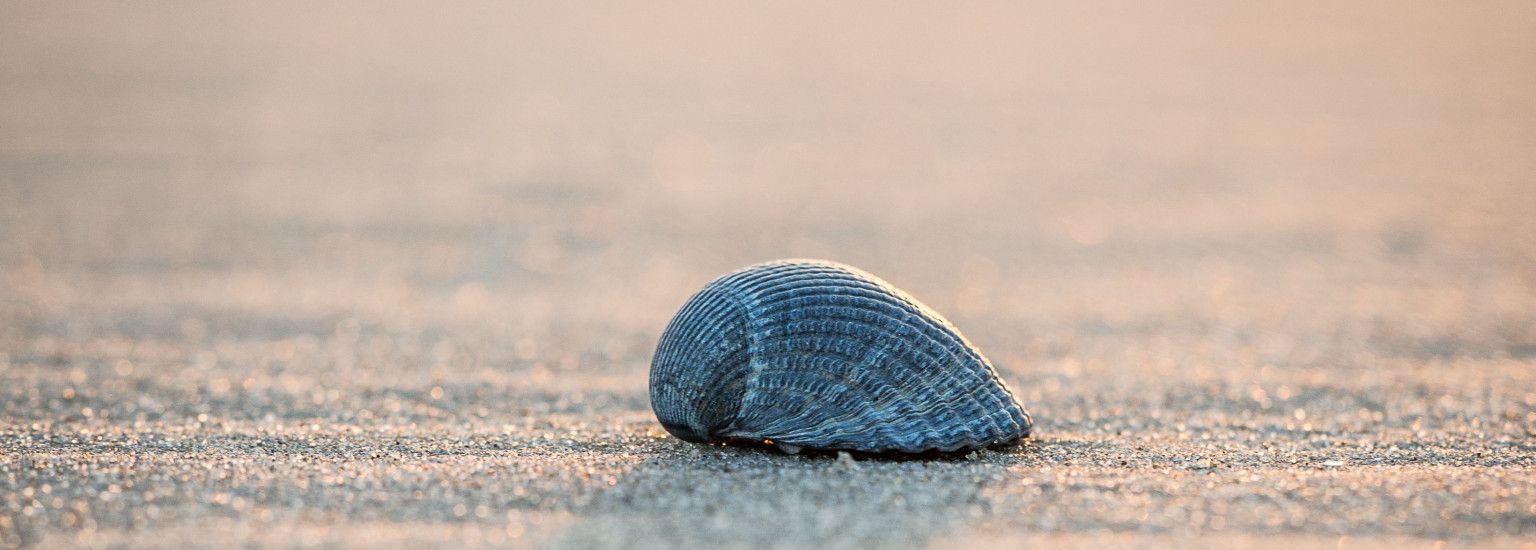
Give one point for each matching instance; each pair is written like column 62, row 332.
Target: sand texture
column 391, row 275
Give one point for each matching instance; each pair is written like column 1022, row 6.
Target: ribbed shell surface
column 817, row 354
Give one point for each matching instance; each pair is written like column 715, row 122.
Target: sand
column 377, row 276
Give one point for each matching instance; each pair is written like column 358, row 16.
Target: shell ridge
column 937, row 335
column 798, row 390
column 1018, row 418
column 883, row 382
column 835, row 362
column 676, row 395
column 777, row 327
column 780, row 427
column 950, row 406
column 762, row 385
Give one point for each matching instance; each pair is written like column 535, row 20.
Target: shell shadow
column 748, row 495
column 1025, row 445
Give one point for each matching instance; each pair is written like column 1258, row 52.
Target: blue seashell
column 817, row 354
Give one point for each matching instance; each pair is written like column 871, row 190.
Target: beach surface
column 391, row 275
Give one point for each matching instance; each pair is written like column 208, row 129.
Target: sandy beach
column 390, row 274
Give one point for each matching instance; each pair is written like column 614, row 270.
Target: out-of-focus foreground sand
column 379, row 274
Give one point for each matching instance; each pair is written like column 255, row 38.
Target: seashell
column 817, row 354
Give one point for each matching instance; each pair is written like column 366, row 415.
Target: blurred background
column 343, row 210
column 567, row 174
